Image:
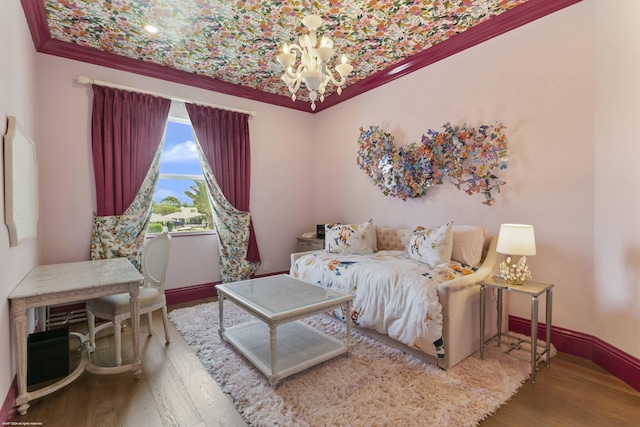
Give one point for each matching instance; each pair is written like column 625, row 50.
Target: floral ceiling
column 237, row 41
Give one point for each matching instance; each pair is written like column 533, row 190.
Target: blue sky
column 179, row 156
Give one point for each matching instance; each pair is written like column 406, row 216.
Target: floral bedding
column 393, row 294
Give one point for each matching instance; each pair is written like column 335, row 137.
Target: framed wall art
column 20, row 184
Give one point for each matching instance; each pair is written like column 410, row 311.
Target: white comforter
column 392, row 293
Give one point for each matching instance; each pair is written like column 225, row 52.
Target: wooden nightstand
column 310, row 244
column 533, row 289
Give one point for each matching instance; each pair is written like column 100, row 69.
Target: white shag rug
column 375, row 386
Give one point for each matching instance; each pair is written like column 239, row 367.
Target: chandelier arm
column 338, row 83
column 295, row 75
column 324, row 68
column 295, row 87
column 294, row 46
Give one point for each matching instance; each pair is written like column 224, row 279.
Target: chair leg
column 117, row 335
column 91, row 320
column 165, row 321
column 149, row 323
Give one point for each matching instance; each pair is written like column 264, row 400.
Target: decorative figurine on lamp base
column 517, row 273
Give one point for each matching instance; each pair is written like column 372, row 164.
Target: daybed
column 430, row 312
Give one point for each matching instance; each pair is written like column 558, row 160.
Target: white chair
column 116, row 308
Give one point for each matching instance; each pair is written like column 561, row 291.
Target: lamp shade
column 516, row 239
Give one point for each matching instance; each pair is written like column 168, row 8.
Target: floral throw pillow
column 432, row 246
column 349, row 238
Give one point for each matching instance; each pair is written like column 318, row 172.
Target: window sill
column 183, row 233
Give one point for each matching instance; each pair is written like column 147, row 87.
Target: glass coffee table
column 278, row 343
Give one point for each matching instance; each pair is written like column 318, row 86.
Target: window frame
column 185, row 177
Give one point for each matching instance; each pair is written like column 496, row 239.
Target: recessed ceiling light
column 151, row 28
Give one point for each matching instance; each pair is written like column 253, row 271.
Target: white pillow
column 349, row 238
column 433, row 246
column 468, row 242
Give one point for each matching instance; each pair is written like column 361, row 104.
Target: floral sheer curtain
column 224, row 150
column 127, row 130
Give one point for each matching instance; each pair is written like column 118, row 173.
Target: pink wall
column 575, row 184
column 17, row 98
column 617, row 177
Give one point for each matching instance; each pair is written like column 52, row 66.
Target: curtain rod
column 87, row 81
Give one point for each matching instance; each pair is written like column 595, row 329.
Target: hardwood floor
column 176, row 390
column 572, row 392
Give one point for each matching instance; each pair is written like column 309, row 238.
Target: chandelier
column 312, row 69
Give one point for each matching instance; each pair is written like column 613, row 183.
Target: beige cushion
column 393, row 239
column 119, row 304
column 468, row 242
column 432, row 246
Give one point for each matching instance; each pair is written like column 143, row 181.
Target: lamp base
column 516, row 273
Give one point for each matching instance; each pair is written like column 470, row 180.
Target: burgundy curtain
column 224, row 138
column 126, row 130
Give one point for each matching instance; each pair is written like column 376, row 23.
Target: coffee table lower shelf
column 298, row 347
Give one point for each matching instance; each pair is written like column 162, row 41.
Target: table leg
column 348, row 321
column 42, row 318
column 273, row 379
column 534, row 337
column 19, row 325
column 548, row 329
column 221, row 315
column 500, row 301
column 482, row 315
column 134, row 303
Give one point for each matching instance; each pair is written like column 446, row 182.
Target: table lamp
column 516, row 240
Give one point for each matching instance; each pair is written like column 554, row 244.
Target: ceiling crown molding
column 514, row 18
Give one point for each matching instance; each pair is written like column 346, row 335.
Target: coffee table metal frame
column 278, row 344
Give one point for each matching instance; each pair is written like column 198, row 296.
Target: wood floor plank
column 211, row 402
column 214, row 406
column 185, row 361
column 121, row 400
column 572, row 392
column 169, row 393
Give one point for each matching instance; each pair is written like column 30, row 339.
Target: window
column 180, row 202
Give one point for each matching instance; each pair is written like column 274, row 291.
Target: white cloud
column 182, row 151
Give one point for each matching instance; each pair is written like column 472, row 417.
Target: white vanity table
column 68, row 283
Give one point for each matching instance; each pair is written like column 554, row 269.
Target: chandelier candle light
column 516, row 239
column 313, row 69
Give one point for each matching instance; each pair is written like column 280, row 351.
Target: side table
column 533, row 289
column 310, row 244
